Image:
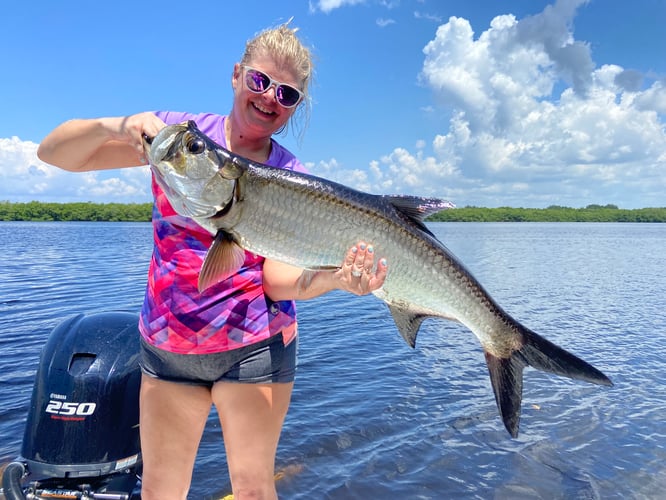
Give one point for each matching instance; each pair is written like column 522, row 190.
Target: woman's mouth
column 262, row 110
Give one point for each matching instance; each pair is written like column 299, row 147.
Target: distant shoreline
column 591, row 213
column 141, row 212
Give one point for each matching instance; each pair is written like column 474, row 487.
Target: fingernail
column 370, row 249
column 362, row 245
column 354, row 250
column 383, row 262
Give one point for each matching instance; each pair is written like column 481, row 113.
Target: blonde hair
column 282, row 45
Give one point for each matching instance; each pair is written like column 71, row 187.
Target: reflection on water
column 372, row 418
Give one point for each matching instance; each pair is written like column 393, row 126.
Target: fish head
column 198, row 176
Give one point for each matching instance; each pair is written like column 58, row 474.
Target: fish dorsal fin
column 417, row 208
column 223, row 259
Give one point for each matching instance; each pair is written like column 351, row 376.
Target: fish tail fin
column 506, row 374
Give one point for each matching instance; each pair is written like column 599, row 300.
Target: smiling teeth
column 262, row 109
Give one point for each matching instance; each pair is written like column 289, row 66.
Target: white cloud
column 327, row 6
column 532, row 122
column 397, row 172
column 383, row 22
column 513, row 140
column 427, row 17
column 23, row 177
column 332, row 170
column 652, row 99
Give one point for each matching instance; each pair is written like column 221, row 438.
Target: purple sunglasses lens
column 260, row 82
column 287, row 96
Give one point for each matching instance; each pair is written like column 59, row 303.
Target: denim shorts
column 268, row 361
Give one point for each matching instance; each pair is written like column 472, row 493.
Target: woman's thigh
column 251, row 416
column 172, row 420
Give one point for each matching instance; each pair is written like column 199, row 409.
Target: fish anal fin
column 408, row 322
column 224, row 258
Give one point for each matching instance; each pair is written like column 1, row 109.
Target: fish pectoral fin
column 316, row 269
column 223, row 259
column 305, row 279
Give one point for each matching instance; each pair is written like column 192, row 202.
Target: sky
column 521, row 103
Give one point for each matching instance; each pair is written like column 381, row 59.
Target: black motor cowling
column 83, row 423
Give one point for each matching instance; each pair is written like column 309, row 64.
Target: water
column 371, row 418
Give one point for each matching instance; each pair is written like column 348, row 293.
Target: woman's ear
column 236, row 76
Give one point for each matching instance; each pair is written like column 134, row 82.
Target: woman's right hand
column 130, row 129
column 99, row 143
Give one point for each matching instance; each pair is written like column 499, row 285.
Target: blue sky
column 516, row 103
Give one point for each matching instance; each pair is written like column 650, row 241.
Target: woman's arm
column 285, row 282
column 99, row 143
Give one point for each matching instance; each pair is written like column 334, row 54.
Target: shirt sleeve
column 173, row 117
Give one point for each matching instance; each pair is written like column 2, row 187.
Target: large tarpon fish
column 310, row 222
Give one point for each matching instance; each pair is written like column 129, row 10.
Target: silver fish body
column 310, row 222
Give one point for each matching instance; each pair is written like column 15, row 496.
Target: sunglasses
column 259, row 82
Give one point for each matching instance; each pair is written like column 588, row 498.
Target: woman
column 233, row 345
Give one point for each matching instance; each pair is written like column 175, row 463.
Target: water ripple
column 372, row 418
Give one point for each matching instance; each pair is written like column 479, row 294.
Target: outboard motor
column 81, row 437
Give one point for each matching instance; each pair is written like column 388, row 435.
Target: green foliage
column 141, row 212
column 554, row 213
column 38, row 211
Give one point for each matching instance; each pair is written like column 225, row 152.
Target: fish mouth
column 159, row 148
column 189, row 206
column 182, row 159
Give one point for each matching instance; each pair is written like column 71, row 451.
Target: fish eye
column 195, row 145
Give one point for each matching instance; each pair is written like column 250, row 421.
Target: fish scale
column 294, row 240
column 309, row 222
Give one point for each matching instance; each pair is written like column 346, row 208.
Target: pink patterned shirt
column 230, row 314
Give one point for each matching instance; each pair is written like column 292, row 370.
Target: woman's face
column 260, row 115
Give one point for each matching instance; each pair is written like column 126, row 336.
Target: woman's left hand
column 358, row 273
